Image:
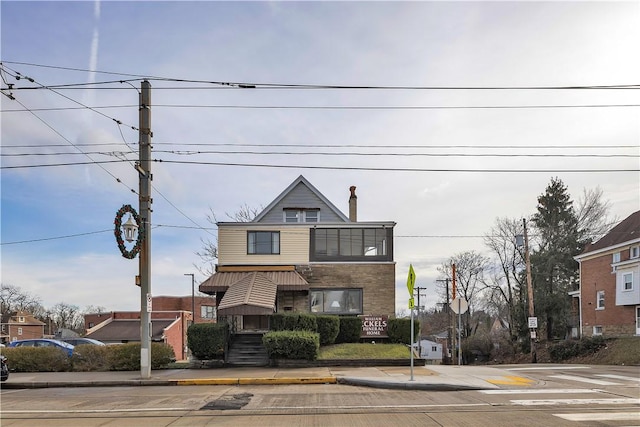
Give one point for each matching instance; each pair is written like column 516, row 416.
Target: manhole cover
column 233, row 401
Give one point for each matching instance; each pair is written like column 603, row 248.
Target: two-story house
column 302, row 254
column 20, row 325
column 609, row 294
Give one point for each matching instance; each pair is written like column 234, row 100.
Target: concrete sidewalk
column 432, row 377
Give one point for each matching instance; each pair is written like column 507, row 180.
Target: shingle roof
column 128, row 330
column 626, row 231
column 254, row 294
column 286, row 280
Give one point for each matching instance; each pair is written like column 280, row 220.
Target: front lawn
column 364, row 351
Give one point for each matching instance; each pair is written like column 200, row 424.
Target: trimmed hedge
column 350, row 330
column 208, row 341
column 293, row 322
column 303, row 345
column 121, row 357
column 328, row 328
column 37, row 359
column 400, row 330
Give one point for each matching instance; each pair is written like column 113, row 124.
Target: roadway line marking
column 601, row 416
column 539, row 368
column 617, row 401
column 618, row 377
column 542, row 391
column 94, row 411
column 583, row 379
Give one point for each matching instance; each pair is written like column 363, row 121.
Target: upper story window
column 301, row 215
column 21, row 319
column 616, row 257
column 600, row 300
column 207, row 312
column 627, row 282
column 263, row 242
column 634, row 252
column 351, row 244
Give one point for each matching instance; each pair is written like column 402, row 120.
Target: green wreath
column 118, row 231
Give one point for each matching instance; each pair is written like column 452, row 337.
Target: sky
column 444, row 115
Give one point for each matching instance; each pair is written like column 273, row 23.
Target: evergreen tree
column 553, row 267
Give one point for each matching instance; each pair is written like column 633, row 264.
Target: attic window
column 21, row 319
column 634, row 252
column 301, row 215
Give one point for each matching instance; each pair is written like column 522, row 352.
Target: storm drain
column 231, row 401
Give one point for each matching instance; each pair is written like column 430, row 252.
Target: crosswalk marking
column 618, row 377
column 546, row 368
column 583, row 379
column 601, row 416
column 615, row 401
column 541, row 391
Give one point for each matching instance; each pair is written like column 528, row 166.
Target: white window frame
column 315, row 217
column 600, row 300
column 615, row 258
column 19, row 331
column 634, row 252
column 291, row 215
column 624, row 282
column 597, row 330
column 207, row 311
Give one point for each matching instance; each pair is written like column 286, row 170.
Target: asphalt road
column 563, row 396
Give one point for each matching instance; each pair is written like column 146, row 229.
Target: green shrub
column 400, row 330
column 567, row 349
column 350, row 330
column 303, row 345
column 87, row 357
column 293, row 322
column 207, row 341
column 328, row 328
column 37, row 359
column 126, row 357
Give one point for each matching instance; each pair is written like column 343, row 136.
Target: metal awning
column 254, row 294
column 285, row 280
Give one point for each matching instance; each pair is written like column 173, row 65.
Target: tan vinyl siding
column 232, row 245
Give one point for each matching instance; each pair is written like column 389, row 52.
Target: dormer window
column 301, row 215
column 20, row 319
column 634, row 252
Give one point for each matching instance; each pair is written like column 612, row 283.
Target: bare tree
column 470, row 270
column 592, row 212
column 67, row 316
column 504, row 278
column 12, row 298
column 209, row 252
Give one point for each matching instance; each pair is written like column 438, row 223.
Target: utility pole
column 532, row 318
column 144, row 172
column 449, row 313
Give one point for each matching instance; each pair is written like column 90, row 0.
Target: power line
column 399, row 169
column 257, row 85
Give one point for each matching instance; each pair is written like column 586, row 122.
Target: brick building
column 20, row 325
column 302, row 254
column 609, row 293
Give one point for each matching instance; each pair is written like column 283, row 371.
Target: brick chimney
column 353, row 204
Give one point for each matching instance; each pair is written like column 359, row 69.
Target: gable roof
column 626, row 231
column 300, row 180
column 128, row 330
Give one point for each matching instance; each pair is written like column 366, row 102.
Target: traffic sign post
column 459, row 306
column 411, row 281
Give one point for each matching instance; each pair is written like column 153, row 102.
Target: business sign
column 374, row 327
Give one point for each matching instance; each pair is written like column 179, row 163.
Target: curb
column 364, row 382
column 256, row 381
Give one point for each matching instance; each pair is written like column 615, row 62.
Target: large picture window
column 336, row 301
column 263, row 242
column 351, row 243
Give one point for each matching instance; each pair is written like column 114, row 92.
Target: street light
column 130, row 228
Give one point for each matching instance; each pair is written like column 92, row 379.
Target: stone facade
column 377, row 281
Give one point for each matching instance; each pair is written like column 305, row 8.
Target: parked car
column 82, row 341
column 43, row 342
column 4, row 368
